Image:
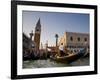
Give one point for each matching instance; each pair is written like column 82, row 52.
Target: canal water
column 50, row 63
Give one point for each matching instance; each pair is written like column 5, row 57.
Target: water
column 49, row 63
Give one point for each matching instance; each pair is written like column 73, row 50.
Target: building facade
column 27, row 42
column 75, row 41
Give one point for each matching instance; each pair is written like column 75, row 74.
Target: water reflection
column 49, row 63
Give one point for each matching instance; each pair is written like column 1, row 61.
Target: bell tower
column 37, row 34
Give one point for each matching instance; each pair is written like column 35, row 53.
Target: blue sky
column 55, row 22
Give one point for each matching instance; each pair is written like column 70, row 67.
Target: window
column 37, row 30
column 75, row 51
column 61, row 43
column 71, row 38
column 78, row 39
column 85, row 39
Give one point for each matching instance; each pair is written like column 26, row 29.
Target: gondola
column 69, row 58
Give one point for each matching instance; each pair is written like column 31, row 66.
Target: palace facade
column 75, row 41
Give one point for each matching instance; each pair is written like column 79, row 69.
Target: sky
column 54, row 23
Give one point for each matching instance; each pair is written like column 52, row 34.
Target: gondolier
column 61, row 50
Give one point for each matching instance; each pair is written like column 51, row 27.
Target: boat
column 69, row 58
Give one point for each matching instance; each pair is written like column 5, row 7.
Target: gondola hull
column 70, row 58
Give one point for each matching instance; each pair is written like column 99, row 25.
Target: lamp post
column 31, row 34
column 56, row 36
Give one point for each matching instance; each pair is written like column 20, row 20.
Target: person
column 61, row 48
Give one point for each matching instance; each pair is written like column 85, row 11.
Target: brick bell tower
column 37, row 35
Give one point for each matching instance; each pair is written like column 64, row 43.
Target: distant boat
column 70, row 58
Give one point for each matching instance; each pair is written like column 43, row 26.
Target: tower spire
column 38, row 23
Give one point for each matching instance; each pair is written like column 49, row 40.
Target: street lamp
column 56, row 36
